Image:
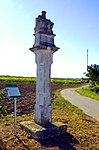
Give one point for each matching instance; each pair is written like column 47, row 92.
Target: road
column 88, row 105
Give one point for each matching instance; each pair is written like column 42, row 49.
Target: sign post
column 13, row 92
column 15, row 116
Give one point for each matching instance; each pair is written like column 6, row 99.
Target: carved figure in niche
column 43, row 25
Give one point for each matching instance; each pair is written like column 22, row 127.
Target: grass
column 87, row 92
column 84, row 128
column 79, row 126
column 71, row 110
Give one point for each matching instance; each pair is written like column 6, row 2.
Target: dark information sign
column 13, row 90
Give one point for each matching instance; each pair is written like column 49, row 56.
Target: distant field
column 33, row 79
column 17, row 79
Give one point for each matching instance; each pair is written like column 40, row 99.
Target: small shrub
column 96, row 88
column 3, row 111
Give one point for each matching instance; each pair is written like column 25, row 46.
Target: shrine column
column 43, row 48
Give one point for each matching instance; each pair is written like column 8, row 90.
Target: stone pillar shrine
column 42, row 126
column 43, row 48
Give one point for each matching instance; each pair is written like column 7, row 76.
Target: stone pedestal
column 40, row 133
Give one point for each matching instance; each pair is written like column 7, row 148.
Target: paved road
column 88, row 105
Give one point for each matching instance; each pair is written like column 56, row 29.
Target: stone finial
column 44, row 14
column 43, row 25
column 43, row 32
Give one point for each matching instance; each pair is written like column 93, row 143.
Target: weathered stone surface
column 43, row 33
column 43, row 48
column 43, row 109
column 43, row 25
column 38, row 132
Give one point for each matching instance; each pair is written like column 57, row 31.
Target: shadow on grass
column 51, row 135
column 21, row 141
column 64, row 142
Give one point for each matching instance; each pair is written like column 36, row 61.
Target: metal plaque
column 13, row 90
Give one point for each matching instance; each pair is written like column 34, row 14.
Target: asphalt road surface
column 88, row 105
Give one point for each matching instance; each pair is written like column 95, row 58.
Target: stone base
column 40, row 133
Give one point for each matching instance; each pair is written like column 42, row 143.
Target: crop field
column 33, row 80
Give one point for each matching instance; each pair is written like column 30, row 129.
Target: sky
column 76, row 25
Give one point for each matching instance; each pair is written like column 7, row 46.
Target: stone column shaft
column 43, row 109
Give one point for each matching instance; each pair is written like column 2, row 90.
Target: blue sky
column 76, row 25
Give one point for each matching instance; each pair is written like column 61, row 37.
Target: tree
column 93, row 75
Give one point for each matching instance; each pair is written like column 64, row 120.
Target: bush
column 93, row 74
column 94, row 86
column 3, row 111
